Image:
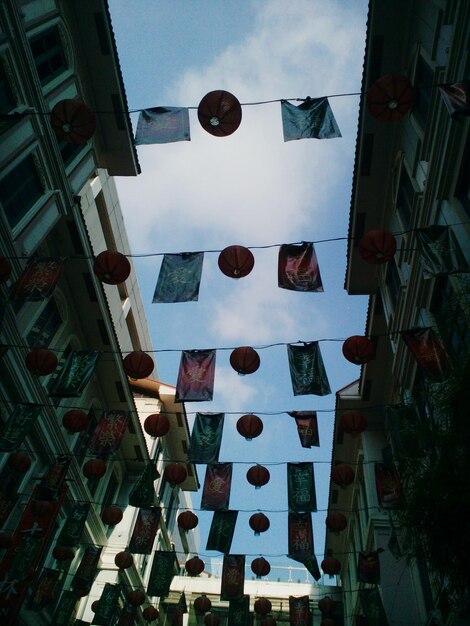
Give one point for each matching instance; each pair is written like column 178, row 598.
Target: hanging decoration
column 21, row 420
column 327, row 606
column 312, row 119
column 136, row 597
column 161, row 574
column 194, row 566
column 211, row 619
column 112, row 267
column 233, row 577
column 108, row 605
column 5, row 269
column 331, row 565
column 175, row 474
column 388, row 486
column 258, row 476
column 128, row 613
column 41, row 362
column 236, row 261
column 75, row 374
column 368, row 567
column 298, row 268
column 390, row 97
column 138, row 364
column 371, row 602
column 359, row 350
column 157, row 425
column 439, row 251
column 456, row 97
column 249, row 426
column 109, row 432
column 145, row 530
column 187, row 520
column 239, row 611
column 162, row 125
column 301, row 547
column 221, row 531
column 73, row 121
column 307, row 371
column 179, row 278
column 260, row 567
column 428, row 351
column 259, row 523
column 123, row 560
column 142, row 493
column 94, row 469
column 38, row 280
column 196, row 376
column 75, row 421
column 63, row 553
column 206, row 438
column 353, row 423
column 377, row 247
column 217, row 485
column 262, row 606
column 299, row 611
column 65, row 609
column 111, row 515
column 219, row 113
column 19, row 462
column 301, row 487
column 45, row 589
column 336, row 522
column 86, row 572
column 245, row 360
column 342, row 475
column 72, row 529
column 307, row 427
column 202, row 604
column 150, row 614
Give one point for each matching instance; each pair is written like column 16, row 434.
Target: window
column 393, row 283
column 7, row 100
column 82, row 441
column 452, row 319
column 45, row 327
column 20, row 190
column 69, row 151
column 48, row 54
column 423, row 84
column 405, row 197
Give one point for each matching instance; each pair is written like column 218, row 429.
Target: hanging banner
column 429, row 352
column 368, row 567
column 65, row 609
column 86, row 571
column 145, row 530
column 440, row 252
column 128, row 615
column 45, row 589
column 313, row 119
column 38, row 280
column 301, row 546
column 372, row 606
column 196, row 376
column 75, row 374
column 299, row 611
column 239, row 612
column 206, row 438
column 108, row 605
column 162, row 573
column 388, row 486
column 108, row 433
column 179, row 278
column 456, row 98
column 307, row 427
column 162, row 125
column 301, row 487
column 221, row 531
column 307, row 371
column 217, row 485
column 72, row 529
column 297, row 268
column 53, row 481
column 233, row 577
column 21, row 420
column 143, row 493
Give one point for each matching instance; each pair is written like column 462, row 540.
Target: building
column 410, row 176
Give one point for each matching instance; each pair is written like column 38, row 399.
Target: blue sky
column 250, row 189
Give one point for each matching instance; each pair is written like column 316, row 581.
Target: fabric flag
column 53, row 481
column 457, row 98
column 298, row 269
column 301, row 487
column 440, row 252
column 86, row 571
column 216, row 489
column 127, row 615
column 299, row 611
column 206, row 438
column 108, row 605
column 307, row 427
column 108, row 433
column 388, row 486
column 239, row 611
column 161, row 574
column 233, row 577
column 307, row 371
column 368, row 567
column 145, row 530
column 313, row 119
column 38, row 280
column 45, row 589
column 221, row 531
column 162, row 125
column 75, row 374
column 179, row 278
column 72, row 529
column 65, row 609
column 142, row 493
column 372, row 606
column 21, row 420
column 196, row 376
column 428, row 350
column 301, row 546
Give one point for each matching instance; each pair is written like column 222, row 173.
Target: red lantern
column 94, row 606
column 73, row 121
column 259, row 522
column 342, row 475
column 359, row 350
column 111, row 515
column 124, row 560
column 187, row 520
column 260, row 567
column 250, row 426
column 136, row 598
column 327, row 605
column 81, row 593
column 111, row 267
column 94, row 469
column 262, row 606
column 157, row 425
column 150, row 614
column 353, row 422
column 258, row 476
column 175, row 473
column 331, row 566
column 5, row 269
column 236, row 261
column 41, row 362
column 75, row 421
column 202, row 604
column 63, row 553
column 138, row 364
column 377, row 247
column 220, row 113
column 42, row 508
column 212, row 620
column 336, row 522
column 390, row 97
column 244, row 360
column 19, row 462
column 268, row 621
column 194, row 566
column 6, row 541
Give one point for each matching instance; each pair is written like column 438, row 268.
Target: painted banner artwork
column 239, row 612
column 297, row 268
column 368, row 567
column 299, row 611
column 217, row 485
column 301, row 547
column 45, row 589
column 221, row 531
column 372, row 606
column 21, row 420
column 108, row 605
column 179, row 278
column 313, row 119
column 85, row 575
column 75, row 374
column 206, row 438
column 65, row 609
column 38, row 280
column 143, row 493
column 388, row 486
column 162, row 125
column 53, row 481
column 233, row 577
column 301, row 487
column 428, row 350
column 456, row 97
column 72, row 529
column 196, row 376
column 162, row 573
column 307, row 427
column 108, row 433
column 307, row 371
column 440, row 252
column 145, row 530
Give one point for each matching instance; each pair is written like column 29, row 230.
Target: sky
column 251, row 189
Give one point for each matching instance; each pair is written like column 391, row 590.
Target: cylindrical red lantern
column 245, row 360
column 175, row 473
column 6, row 541
column 75, row 421
column 250, row 426
column 260, row 566
column 187, row 520
column 136, row 597
column 150, row 614
column 258, row 476
column 94, row 469
column 41, row 362
column 268, row 621
column 202, row 604
column 73, row 121
column 359, row 350
column 262, row 606
column 111, row 515
column 353, row 422
column 19, row 462
column 5, row 269
column 157, row 425
column 377, row 247
column 42, row 508
column 236, row 261
column 259, row 522
column 336, row 522
column 331, row 566
column 342, row 475
column 212, row 620
column 63, row 553
column 123, row 560
column 219, row 113
column 390, row 97
column 111, row 267
column 138, row 364
column 327, row 605
column 194, row 566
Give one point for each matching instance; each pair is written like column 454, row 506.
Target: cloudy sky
column 254, row 190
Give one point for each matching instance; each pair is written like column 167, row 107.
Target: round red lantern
column 41, row 362
column 94, row 469
column 377, row 247
column 135, row 597
column 262, row 606
column 336, row 522
column 94, row 606
column 260, row 567
column 5, row 269
column 236, row 261
column 359, row 350
column 6, row 541
column 19, row 462
column 73, row 121
column 194, row 566
column 42, row 508
column 327, row 605
column 187, row 520
column 63, row 553
column 157, row 425
column 258, row 476
column 212, row 620
column 331, row 566
column 259, row 522
column 244, row 360
column 124, row 560
column 219, row 113
column 111, row 267
column 202, row 604
column 250, row 426
column 138, row 364
column 342, row 475
column 390, row 97
column 75, row 421
column 352, row 422
column 268, row 621
column 111, row 515
column 150, row 614
column 175, row 473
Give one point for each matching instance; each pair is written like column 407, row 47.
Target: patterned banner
column 72, row 529
column 162, row 125
column 179, row 278
column 301, row 546
column 65, row 609
column 239, row 612
column 307, row 371
column 162, row 573
column 428, row 351
column 54, row 478
column 388, row 486
column 297, row 268
column 108, row 605
column 299, row 611
column 143, row 493
column 221, row 531
column 18, row 425
column 439, row 251
column 307, row 427
column 75, row 374
column 206, row 438
column 313, row 119
column 372, row 606
column 145, row 530
column 301, row 487
column 108, row 433
column 217, row 485
column 457, row 98
column 368, row 567
column 233, row 577
column 38, row 280
column 196, row 376
column 44, row 590
column 86, row 571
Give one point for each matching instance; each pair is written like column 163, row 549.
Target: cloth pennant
column 298, row 268
column 163, row 125
column 313, row 119
column 179, row 278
